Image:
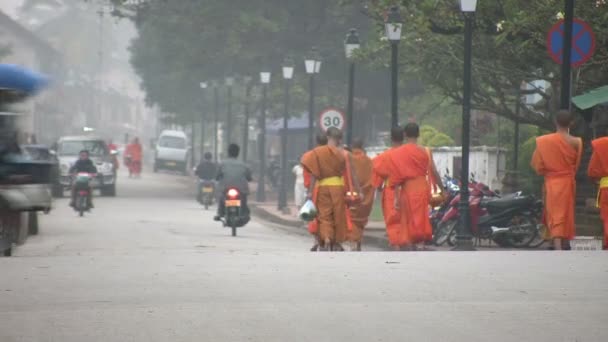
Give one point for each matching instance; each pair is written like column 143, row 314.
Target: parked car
column 68, row 149
column 44, row 153
column 172, row 152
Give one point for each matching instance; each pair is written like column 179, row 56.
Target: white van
column 172, row 151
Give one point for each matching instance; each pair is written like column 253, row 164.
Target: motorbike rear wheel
column 82, row 204
column 523, row 233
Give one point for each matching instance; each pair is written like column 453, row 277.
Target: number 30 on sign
column 331, row 117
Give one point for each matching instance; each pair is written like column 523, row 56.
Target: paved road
column 151, row 266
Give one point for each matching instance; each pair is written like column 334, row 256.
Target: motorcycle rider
column 83, row 164
column 206, row 171
column 233, row 173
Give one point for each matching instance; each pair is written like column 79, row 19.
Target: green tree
column 431, row 137
column 509, row 46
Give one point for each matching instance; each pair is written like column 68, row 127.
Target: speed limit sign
column 331, row 117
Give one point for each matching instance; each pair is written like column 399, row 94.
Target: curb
column 297, row 226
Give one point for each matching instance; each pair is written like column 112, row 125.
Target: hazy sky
column 10, row 7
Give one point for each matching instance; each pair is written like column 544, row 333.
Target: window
column 172, row 142
column 72, row 148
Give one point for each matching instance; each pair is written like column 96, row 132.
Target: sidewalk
column 374, row 235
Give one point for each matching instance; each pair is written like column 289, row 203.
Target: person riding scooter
column 206, row 171
column 83, row 164
column 233, row 173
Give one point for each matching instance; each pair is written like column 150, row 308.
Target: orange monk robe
column 313, row 226
column 135, row 151
column 598, row 169
column 363, row 169
column 557, row 161
column 392, row 217
column 409, row 169
column 327, row 163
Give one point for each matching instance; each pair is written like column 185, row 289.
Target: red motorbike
column 508, row 221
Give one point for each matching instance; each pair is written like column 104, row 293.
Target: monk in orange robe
column 598, row 170
column 327, row 165
column 397, row 236
column 134, row 155
column 313, row 226
column 410, row 176
column 363, row 169
column 557, row 157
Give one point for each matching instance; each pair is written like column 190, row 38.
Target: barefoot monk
column 363, row 169
column 598, row 170
column 556, row 158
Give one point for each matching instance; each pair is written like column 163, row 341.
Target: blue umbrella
column 17, row 78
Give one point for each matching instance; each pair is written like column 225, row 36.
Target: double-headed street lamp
column 287, row 76
column 464, row 239
column 261, row 192
column 351, row 44
column 216, row 119
column 248, row 86
column 393, row 28
column 203, row 86
column 313, row 67
column 228, row 130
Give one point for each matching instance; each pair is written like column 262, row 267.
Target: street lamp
column 313, row 66
column 216, row 119
column 248, row 86
column 287, row 76
column 228, row 130
column 204, row 87
column 464, row 239
column 261, row 193
column 351, row 44
column 393, row 28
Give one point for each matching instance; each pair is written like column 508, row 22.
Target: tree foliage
column 509, row 47
column 431, row 137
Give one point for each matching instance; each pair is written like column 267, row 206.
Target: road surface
column 150, row 265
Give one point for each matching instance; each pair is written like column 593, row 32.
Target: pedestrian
column 397, row 236
column 313, row 226
column 557, row 158
column 299, row 189
column 363, row 168
column 327, row 166
column 133, row 158
column 598, row 170
column 409, row 175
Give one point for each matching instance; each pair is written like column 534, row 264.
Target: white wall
column 488, row 163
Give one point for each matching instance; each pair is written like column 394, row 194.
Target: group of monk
column 342, row 180
column 557, row 158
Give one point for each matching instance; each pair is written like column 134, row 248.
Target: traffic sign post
column 332, row 117
column 583, row 42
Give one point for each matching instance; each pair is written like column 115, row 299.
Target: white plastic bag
column 308, row 212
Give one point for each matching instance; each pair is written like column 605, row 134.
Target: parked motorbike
column 509, row 221
column 82, row 187
column 206, row 192
column 235, row 215
column 441, row 232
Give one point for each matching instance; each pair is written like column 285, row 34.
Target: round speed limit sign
column 331, row 117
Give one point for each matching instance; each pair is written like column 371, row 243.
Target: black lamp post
column 248, row 86
column 216, row 119
column 464, row 239
column 228, row 130
column 393, row 28
column 203, row 86
column 351, row 44
column 566, row 72
column 313, row 67
column 261, row 193
column 287, row 76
